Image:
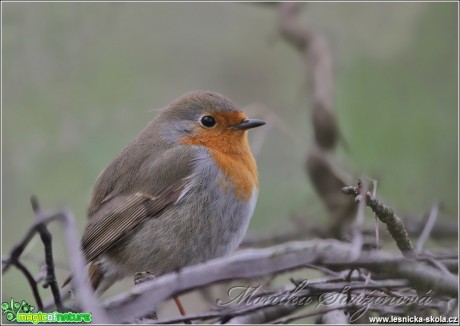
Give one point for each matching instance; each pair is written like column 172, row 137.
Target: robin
column 182, row 192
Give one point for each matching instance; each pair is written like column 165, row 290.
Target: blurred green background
column 80, row 80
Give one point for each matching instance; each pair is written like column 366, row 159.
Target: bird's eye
column 208, row 121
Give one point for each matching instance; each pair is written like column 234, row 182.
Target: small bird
column 181, row 193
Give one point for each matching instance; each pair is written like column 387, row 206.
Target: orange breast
column 240, row 170
column 231, row 153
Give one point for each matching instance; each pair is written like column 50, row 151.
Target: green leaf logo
column 5, row 307
column 10, row 316
column 12, row 308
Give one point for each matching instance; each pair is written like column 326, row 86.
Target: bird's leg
column 141, row 277
column 181, row 309
column 179, row 305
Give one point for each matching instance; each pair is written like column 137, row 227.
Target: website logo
column 22, row 312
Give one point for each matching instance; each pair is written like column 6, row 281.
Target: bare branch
column 140, row 300
column 317, row 55
column 265, row 311
column 318, row 60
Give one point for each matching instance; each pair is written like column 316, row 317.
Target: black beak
column 249, row 123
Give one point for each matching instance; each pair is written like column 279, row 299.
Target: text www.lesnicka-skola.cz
column 413, row 320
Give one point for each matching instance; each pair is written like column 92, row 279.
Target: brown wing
column 122, row 214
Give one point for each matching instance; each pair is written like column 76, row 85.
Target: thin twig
column 387, row 216
column 440, row 266
column 428, row 228
column 356, row 234
column 32, row 283
column 441, row 230
column 46, row 238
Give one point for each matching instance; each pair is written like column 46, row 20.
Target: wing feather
column 123, row 214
